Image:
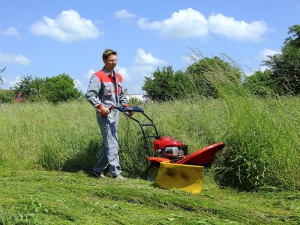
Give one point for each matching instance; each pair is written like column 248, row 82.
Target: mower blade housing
column 180, row 176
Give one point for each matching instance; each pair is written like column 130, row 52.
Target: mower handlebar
column 127, row 109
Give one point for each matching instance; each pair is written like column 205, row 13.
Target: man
column 105, row 90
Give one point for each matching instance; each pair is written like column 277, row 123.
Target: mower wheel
column 152, row 171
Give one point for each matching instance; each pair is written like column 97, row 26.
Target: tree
column 165, row 84
column 200, row 72
column 6, row 96
column 60, row 88
column 30, row 88
column 285, row 67
column 56, row 89
column 196, row 72
column 260, row 83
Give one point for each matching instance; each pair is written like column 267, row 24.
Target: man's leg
column 109, row 152
column 102, row 157
column 113, row 152
column 102, row 160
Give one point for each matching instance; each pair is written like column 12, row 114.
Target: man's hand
column 104, row 111
column 130, row 112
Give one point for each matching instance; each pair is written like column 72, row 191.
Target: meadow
column 47, row 153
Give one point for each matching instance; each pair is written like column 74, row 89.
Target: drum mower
column 173, row 167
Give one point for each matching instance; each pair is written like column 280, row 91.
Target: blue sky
column 45, row 39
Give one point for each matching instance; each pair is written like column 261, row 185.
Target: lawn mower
column 173, row 167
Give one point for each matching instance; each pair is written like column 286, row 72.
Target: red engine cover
column 166, row 141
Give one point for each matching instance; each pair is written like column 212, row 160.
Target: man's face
column 111, row 62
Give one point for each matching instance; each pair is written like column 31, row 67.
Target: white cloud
column 144, row 70
column 124, row 73
column 9, row 84
column 183, row 24
column 77, row 83
column 79, row 86
column 262, row 55
column 12, row 83
column 143, row 65
column 237, row 30
column 66, row 27
column 190, row 23
column 187, row 60
column 99, row 22
column 124, row 14
column 146, row 59
column 18, row 59
column 12, row 31
column 89, row 74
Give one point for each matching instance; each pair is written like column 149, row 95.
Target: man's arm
column 93, row 90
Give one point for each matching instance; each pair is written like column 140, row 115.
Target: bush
column 6, row 96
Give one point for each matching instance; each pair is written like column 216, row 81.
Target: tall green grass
column 261, row 137
column 48, row 136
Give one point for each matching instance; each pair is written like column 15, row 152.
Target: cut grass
column 43, row 197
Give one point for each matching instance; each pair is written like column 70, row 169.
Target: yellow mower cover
column 180, row 176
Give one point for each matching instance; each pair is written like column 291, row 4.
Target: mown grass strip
column 39, row 197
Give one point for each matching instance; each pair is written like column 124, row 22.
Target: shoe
column 99, row 175
column 119, row 177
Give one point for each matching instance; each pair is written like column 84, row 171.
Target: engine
column 170, row 148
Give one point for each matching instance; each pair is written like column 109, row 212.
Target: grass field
column 44, row 197
column 47, row 153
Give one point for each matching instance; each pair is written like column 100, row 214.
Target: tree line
column 56, row 89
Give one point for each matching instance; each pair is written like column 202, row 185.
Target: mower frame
column 126, row 111
column 203, row 157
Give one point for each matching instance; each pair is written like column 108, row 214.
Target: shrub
column 6, row 96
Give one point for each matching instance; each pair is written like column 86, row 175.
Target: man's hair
column 107, row 52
